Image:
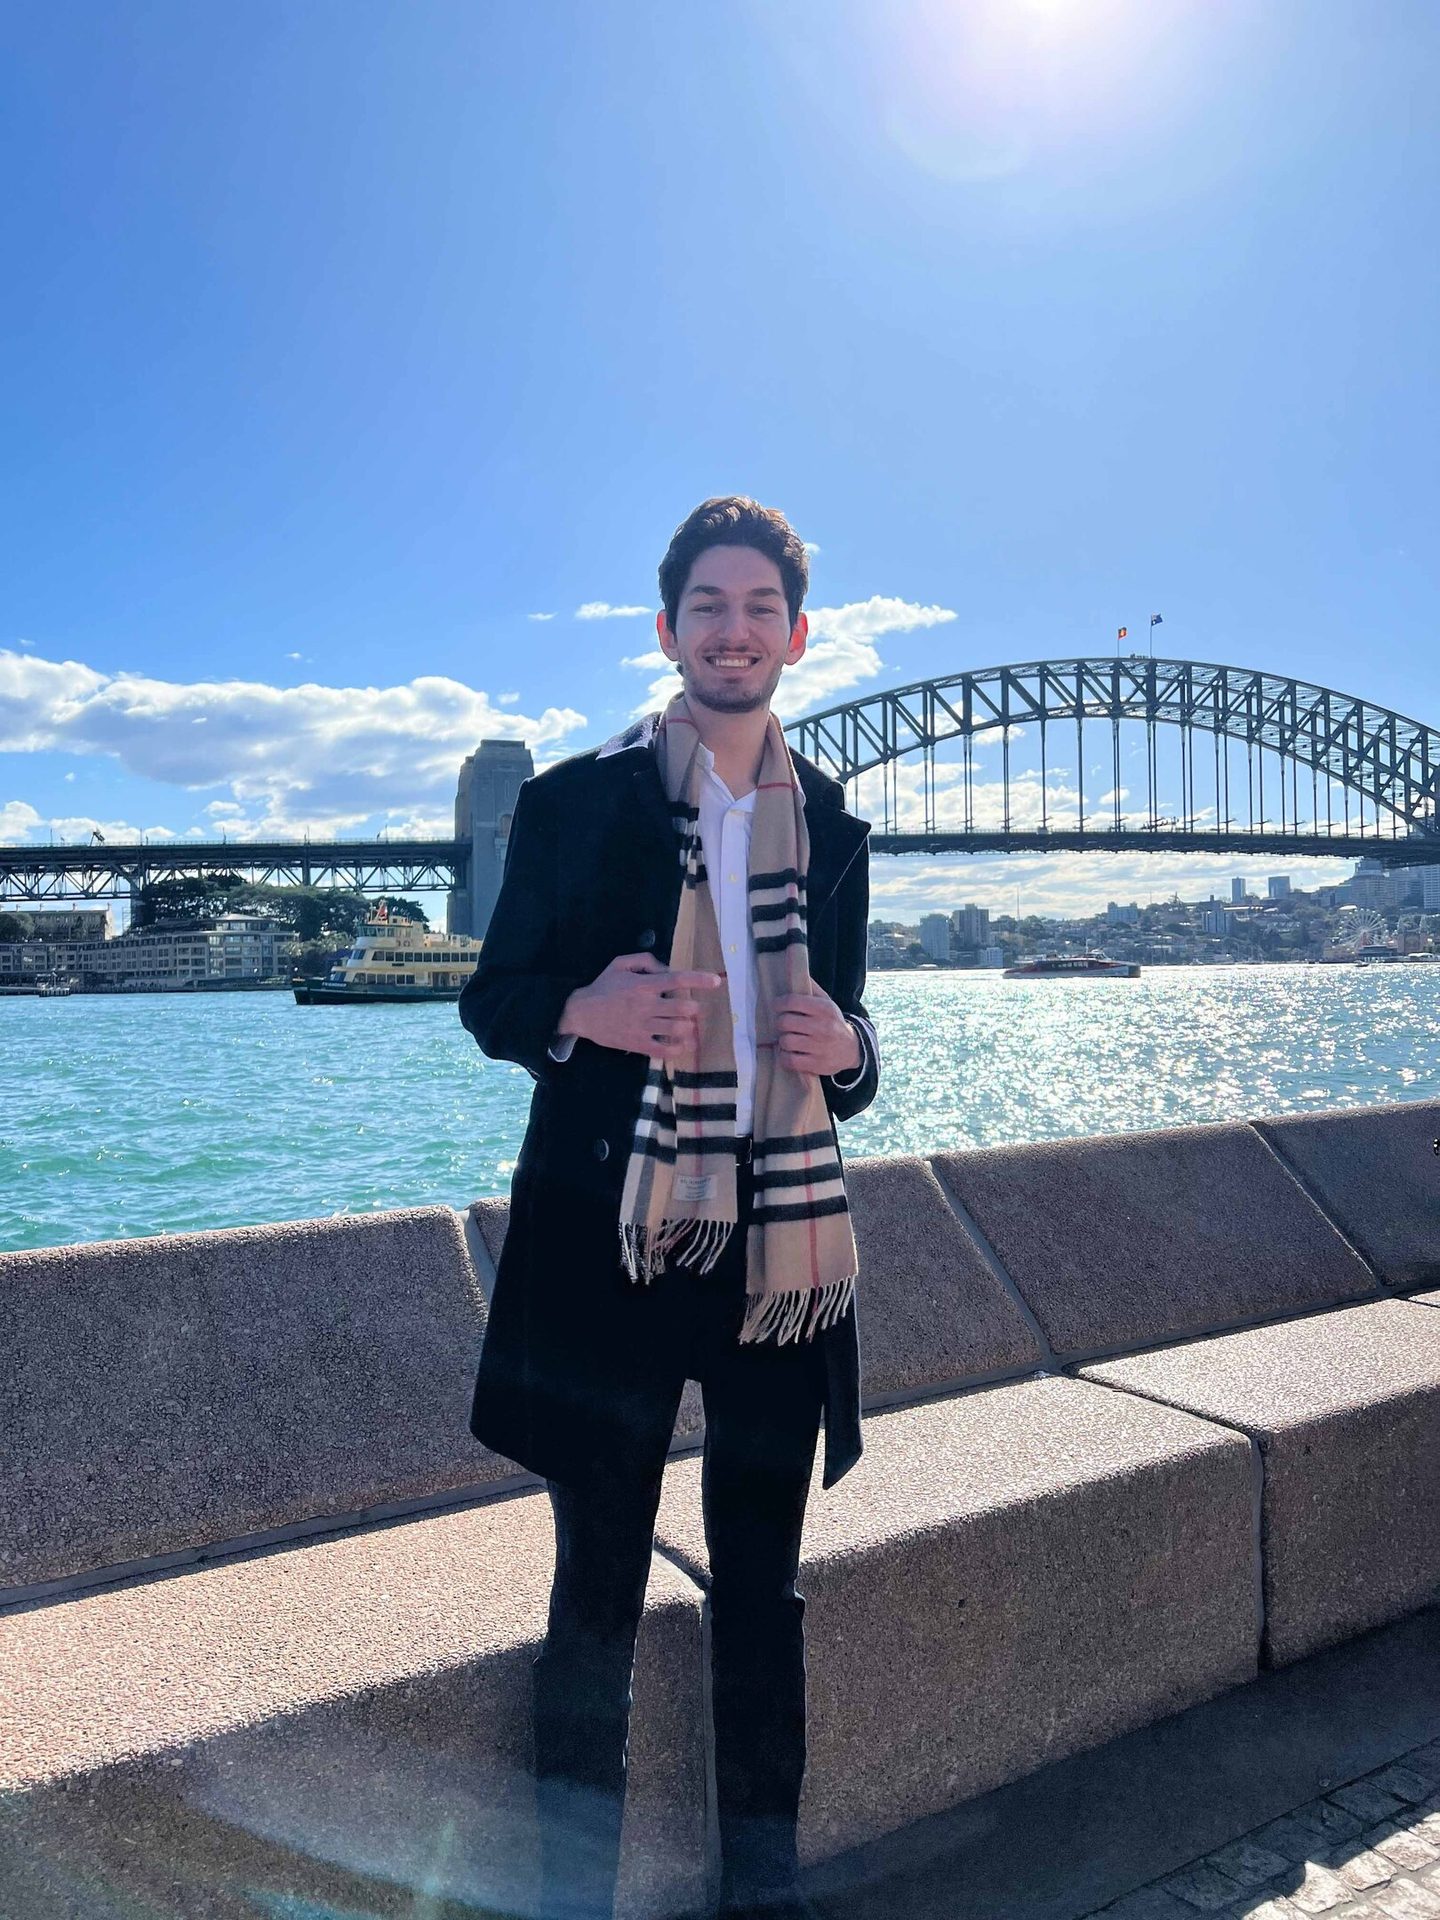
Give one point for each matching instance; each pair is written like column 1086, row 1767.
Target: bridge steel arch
column 1381, row 761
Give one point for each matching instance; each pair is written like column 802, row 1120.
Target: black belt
column 744, row 1148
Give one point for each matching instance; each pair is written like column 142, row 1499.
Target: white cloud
column 69, row 776
column 602, row 610
column 903, row 886
column 812, row 547
column 21, row 825
column 841, row 653
column 507, row 699
column 317, row 758
column 27, row 644
column 18, row 820
column 539, row 616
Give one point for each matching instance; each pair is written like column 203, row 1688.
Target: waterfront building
column 1368, row 886
column 992, row 957
column 237, row 946
column 55, row 926
column 1217, row 919
column 1430, row 888
column 1278, row 886
column 935, row 936
column 490, row 780
column 19, row 960
column 970, row 926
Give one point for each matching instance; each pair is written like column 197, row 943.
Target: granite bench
column 1223, row 1270
column 341, row 1723
column 244, row 1442
column 309, row 1669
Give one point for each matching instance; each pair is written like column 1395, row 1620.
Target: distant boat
column 395, row 962
column 1073, row 966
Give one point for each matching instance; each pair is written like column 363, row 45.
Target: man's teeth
column 732, row 659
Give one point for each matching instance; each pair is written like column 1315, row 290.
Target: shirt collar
column 707, row 763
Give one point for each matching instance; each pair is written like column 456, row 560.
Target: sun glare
column 980, row 91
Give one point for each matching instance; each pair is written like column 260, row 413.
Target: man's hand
column 813, row 1036
column 639, row 1005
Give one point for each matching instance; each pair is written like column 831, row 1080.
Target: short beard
column 733, row 700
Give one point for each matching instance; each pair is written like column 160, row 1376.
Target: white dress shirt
column 725, row 824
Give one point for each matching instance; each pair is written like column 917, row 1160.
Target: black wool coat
column 591, row 872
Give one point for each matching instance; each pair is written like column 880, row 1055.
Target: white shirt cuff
column 562, row 1046
column 843, row 1083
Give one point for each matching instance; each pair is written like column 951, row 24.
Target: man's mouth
column 732, row 660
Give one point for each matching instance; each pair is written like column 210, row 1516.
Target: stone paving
column 1369, row 1850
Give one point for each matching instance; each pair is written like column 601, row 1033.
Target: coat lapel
column 835, row 835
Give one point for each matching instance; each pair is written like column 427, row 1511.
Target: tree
column 14, row 927
column 399, row 909
column 187, row 897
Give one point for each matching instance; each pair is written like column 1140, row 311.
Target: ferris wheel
column 1363, row 927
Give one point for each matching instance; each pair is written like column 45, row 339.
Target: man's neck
column 737, row 741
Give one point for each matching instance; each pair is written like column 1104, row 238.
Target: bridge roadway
column 103, row 872
column 108, row 870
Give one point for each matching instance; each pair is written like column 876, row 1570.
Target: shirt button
column 731, row 947
column 732, row 878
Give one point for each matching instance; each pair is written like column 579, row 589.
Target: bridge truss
column 103, row 872
column 1234, row 760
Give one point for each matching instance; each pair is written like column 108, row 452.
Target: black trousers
column 762, row 1417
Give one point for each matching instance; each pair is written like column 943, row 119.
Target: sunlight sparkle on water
column 151, row 1115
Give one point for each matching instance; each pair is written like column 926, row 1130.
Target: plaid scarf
column 679, row 1198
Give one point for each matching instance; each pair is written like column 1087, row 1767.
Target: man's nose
column 736, row 624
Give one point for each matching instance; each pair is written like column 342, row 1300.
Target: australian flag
column 1155, row 620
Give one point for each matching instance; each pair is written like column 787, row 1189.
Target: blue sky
column 342, row 339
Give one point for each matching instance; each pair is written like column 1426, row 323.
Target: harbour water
column 123, row 1115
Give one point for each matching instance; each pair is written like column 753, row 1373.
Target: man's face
column 732, row 636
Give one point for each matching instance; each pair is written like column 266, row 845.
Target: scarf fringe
column 783, row 1315
column 683, row 1243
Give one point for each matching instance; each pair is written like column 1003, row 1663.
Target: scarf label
column 691, row 1189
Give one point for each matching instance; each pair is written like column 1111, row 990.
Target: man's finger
column 687, row 981
column 638, row 963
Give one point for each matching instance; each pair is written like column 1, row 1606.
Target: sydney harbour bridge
column 1100, row 753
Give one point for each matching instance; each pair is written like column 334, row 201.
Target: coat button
column 602, row 1149
column 647, row 938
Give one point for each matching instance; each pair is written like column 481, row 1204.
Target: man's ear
column 799, row 633
column 665, row 637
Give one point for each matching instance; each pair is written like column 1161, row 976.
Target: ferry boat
column 393, row 961
column 1073, row 966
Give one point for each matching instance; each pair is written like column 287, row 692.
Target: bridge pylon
column 490, row 779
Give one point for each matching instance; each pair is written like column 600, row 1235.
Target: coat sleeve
column 852, row 913
column 513, row 1000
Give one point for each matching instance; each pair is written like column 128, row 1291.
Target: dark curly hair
column 730, row 520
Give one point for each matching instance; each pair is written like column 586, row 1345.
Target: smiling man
column 677, row 956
